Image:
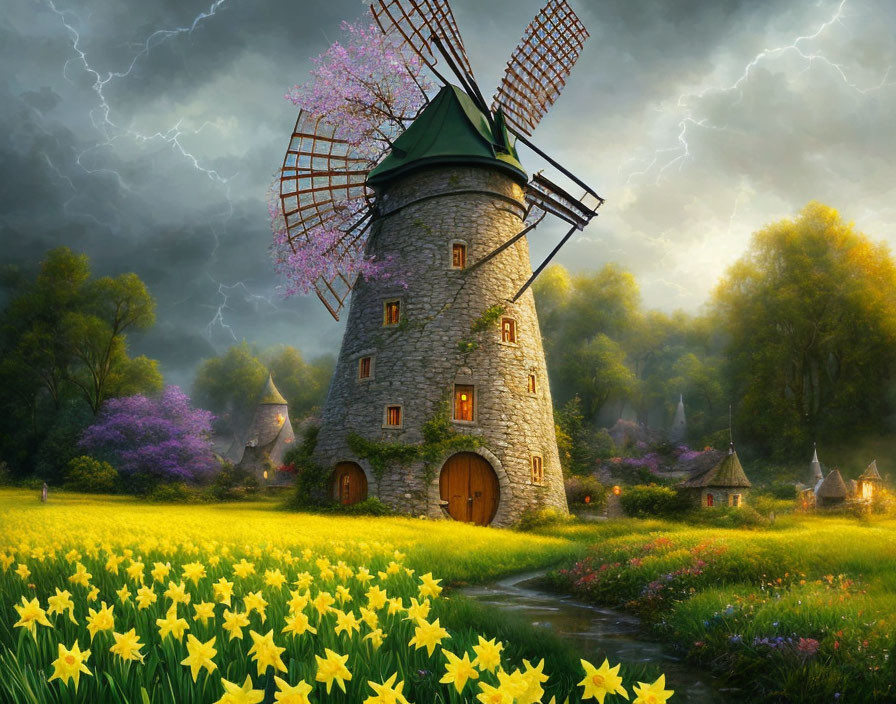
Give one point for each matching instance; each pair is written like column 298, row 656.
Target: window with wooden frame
column 531, row 384
column 537, row 469
column 393, row 416
column 458, row 255
column 392, row 312
column 508, row 330
column 734, row 500
column 463, row 402
column 365, row 367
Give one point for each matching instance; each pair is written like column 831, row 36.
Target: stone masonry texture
column 416, row 363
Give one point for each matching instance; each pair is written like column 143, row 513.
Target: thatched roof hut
column 721, row 484
column 871, row 474
column 832, row 491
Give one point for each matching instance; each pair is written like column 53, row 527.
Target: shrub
column 174, row 493
column 5, row 476
column 371, row 506
column 91, row 475
column 644, row 501
column 533, row 518
column 578, row 489
column 232, row 483
column 729, row 517
column 310, row 486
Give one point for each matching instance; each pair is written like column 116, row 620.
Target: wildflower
column 146, row 597
column 655, row 693
column 93, row 594
column 234, row 623
column 395, row 605
column 253, row 601
column 298, row 602
column 81, row 576
column 30, row 614
column 243, row 569
column 458, row 671
column 428, row 635
column 369, row 617
column 127, row 645
column 177, row 593
column 70, row 664
column 223, row 591
column 135, row 571
column 417, row 610
column 375, row 637
column 124, row 594
column 172, row 625
column 236, row 694
column 493, row 695
column 101, row 620
column 203, row 611
column 286, row 694
column 23, row 571
column 809, row 646
column 322, row 602
column 388, row 692
column 534, row 677
column 194, row 571
column 343, row 594
column 429, row 586
column 112, row 563
column 61, row 602
column 274, row 578
column 332, row 668
column 160, row 571
column 199, row 655
column 376, row 598
column 488, row 654
column 297, row 624
column 265, row 652
column 303, row 580
column 363, row 575
column 599, row 682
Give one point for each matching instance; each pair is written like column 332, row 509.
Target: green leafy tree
column 810, row 311
column 303, row 384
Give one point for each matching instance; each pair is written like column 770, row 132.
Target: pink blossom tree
column 367, row 90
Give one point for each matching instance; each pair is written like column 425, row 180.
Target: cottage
column 832, row 492
column 723, row 484
column 267, row 437
column 868, row 482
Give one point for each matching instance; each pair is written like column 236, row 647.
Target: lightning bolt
column 680, row 152
column 102, row 119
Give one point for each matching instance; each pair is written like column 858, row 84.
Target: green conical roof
column 727, row 473
column 270, row 395
column 451, row 130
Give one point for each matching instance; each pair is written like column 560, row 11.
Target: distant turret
column 268, row 436
column 815, row 470
column 679, row 425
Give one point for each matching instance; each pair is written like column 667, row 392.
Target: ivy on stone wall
column 489, row 317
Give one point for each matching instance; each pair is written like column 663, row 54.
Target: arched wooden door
column 349, row 483
column 470, row 486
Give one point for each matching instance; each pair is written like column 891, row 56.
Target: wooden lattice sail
column 540, row 65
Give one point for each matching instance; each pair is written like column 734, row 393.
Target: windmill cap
column 450, row 130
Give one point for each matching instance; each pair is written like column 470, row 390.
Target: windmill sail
column 546, row 195
column 539, row 66
column 324, row 195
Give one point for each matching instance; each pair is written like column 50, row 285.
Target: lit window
column 393, row 416
column 364, row 368
column 734, row 499
column 530, row 386
column 508, row 330
column 463, row 402
column 537, row 470
column 458, row 255
column 391, row 312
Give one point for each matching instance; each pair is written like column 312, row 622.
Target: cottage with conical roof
column 868, row 482
column 268, row 436
column 723, row 484
column 832, row 492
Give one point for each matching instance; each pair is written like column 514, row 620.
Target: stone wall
column 417, row 363
column 267, row 440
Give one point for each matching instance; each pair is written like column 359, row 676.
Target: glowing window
column 364, row 366
column 734, row 499
column 463, row 402
column 531, row 385
column 393, row 416
column 508, row 330
column 537, row 470
column 391, row 312
column 458, row 255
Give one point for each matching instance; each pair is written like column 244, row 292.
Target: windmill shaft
column 508, row 243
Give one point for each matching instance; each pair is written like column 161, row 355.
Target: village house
column 723, row 484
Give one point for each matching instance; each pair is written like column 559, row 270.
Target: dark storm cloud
column 690, row 117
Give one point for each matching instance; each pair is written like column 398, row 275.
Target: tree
column 811, row 315
column 303, row 384
column 152, row 440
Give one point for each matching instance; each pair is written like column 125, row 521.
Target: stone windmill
column 451, row 204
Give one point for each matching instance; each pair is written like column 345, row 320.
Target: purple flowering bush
column 153, row 439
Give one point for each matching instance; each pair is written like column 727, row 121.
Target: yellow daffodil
column 343, row 595
column 332, row 668
column 177, row 593
column 6, row 561
column 458, row 671
column 395, row 606
column 102, row 620
column 70, row 664
column 346, row 623
column 124, row 594
column 265, row 652
column 274, row 578
column 363, row 575
column 287, row 694
column 369, row 617
column 81, row 576
column 243, row 569
column 135, row 571
column 60, row 603
column 387, row 693
column 254, row 601
column 417, row 610
column 223, row 591
column 322, row 602
column 514, row 683
column 376, row 598
column 199, row 655
column 112, row 563
column 429, row 586
column 203, row 611
column 127, row 646
column 375, row 637
column 599, row 682
column 303, row 580
column 193, row 571
column 146, row 597
column 428, row 635
column 655, row 693
column 534, row 677
column 23, row 571
column 234, row 623
column 30, row 615
column 298, row 601
column 488, row 654
column 160, row 571
column 297, row 624
column 236, row 694
column 172, row 625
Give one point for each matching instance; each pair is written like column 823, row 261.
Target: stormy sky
column 146, row 134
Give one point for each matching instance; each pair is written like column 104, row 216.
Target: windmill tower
column 451, row 204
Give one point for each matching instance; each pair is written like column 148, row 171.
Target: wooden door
column 470, row 486
column 349, row 483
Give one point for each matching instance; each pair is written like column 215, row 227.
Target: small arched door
column 470, row 486
column 349, row 483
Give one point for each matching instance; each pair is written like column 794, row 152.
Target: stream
column 597, row 632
